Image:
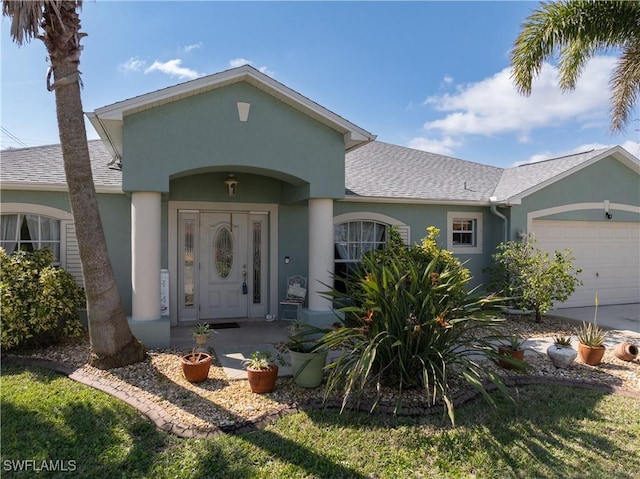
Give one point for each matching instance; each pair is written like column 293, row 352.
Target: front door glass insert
column 223, row 252
column 188, row 267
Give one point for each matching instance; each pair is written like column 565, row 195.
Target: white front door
column 224, row 266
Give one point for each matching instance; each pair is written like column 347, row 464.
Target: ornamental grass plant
column 590, row 334
column 408, row 323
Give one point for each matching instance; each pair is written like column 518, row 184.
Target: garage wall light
column 607, row 212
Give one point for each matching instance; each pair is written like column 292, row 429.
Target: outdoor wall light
column 232, row 185
column 607, row 212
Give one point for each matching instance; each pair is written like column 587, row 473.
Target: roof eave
column 20, row 186
column 108, row 120
column 415, row 201
column 618, row 152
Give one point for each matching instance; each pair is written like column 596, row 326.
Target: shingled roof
column 376, row 170
column 42, row 166
column 518, row 180
column 383, row 170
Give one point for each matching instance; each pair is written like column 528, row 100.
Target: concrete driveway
column 621, row 317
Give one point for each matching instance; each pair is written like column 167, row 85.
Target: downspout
column 494, row 210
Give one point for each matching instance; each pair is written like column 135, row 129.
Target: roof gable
column 524, row 180
column 108, row 120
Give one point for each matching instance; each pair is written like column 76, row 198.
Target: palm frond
column 625, row 83
column 575, row 30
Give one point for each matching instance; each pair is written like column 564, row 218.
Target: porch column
column 320, row 252
column 145, row 255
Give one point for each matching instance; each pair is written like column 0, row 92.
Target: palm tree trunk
column 112, row 343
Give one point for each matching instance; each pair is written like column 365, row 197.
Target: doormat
column 223, row 325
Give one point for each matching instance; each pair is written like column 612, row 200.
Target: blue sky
column 428, row 75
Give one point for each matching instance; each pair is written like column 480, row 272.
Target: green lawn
column 549, row 432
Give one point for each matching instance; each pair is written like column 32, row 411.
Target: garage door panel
column 607, row 252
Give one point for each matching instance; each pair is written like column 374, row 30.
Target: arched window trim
column 342, row 265
column 69, row 254
column 403, row 228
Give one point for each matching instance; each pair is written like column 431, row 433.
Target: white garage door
column 608, row 253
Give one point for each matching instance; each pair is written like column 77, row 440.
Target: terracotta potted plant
column 512, row 352
column 262, row 372
column 195, row 366
column 201, row 334
column 591, row 343
column 561, row 353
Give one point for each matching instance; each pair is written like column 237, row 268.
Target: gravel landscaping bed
column 220, row 402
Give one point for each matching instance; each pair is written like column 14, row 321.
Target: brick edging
column 164, row 421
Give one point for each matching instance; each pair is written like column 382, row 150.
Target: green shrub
column 39, row 301
column 409, row 323
column 531, row 277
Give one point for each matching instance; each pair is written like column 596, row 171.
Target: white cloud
column 446, row 81
column 443, row 146
column 238, row 62
column 173, row 68
column 132, row 64
column 188, row 48
column 493, row 105
column 632, row 147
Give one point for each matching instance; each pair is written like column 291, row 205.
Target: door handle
column 245, row 289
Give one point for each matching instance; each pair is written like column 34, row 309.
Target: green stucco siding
column 293, row 242
column 115, row 212
column 211, row 187
column 53, row 199
column 202, row 133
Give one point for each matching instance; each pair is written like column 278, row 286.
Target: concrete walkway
column 233, row 346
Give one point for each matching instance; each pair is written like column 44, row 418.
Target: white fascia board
column 115, row 112
column 110, row 132
column 11, row 185
column 413, row 201
column 308, row 106
column 619, row 153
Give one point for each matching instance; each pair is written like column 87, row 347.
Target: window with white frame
column 357, row 232
column 30, row 232
column 464, row 232
column 352, row 239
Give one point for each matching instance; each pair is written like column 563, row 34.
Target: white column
column 320, row 252
column 145, row 255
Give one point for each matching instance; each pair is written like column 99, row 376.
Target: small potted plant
column 591, row 343
column 561, row 353
column 195, row 366
column 201, row 334
column 262, row 372
column 512, row 352
column 308, row 356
